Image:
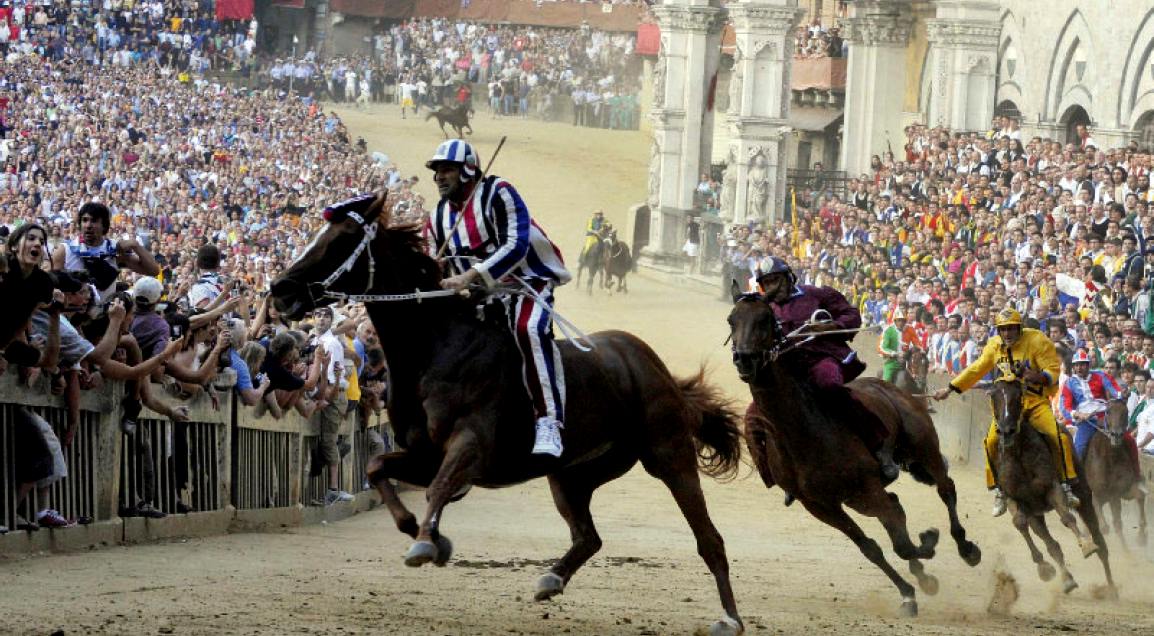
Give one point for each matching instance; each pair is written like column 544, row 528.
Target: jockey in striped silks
column 495, row 241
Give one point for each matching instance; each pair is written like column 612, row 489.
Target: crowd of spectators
column 517, row 70
column 961, row 225
column 815, row 40
column 145, row 211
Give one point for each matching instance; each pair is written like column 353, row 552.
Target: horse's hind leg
column 1045, row 570
column 927, row 582
column 455, row 473
column 1116, row 513
column 1093, row 526
column 888, row 509
column 1038, row 526
column 935, row 467
column 678, row 470
column 834, row 515
column 1140, row 499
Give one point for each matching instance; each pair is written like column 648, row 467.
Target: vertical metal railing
column 263, row 469
column 173, row 467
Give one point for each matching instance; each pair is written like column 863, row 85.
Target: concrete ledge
column 96, row 535
column 710, row 285
column 258, row 520
column 194, row 524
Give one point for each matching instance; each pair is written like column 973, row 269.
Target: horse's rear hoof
column 444, row 551
column 929, row 539
column 420, row 553
column 1045, row 571
column 1089, row 549
column 726, row 627
column 548, row 586
column 970, row 553
column 909, row 608
column 928, row 584
column 1069, row 585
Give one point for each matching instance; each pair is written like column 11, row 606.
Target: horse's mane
column 409, row 236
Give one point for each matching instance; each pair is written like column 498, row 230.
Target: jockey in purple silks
column 829, row 358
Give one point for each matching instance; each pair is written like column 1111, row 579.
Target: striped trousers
column 541, row 369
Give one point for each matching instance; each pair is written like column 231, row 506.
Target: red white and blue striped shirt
column 503, row 236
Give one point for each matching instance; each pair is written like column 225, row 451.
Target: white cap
column 147, row 289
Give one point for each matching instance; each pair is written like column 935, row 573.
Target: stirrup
column 1072, row 500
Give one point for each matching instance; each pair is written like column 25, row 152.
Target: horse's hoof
column 548, row 586
column 928, row 583
column 1069, row 585
column 420, row 553
column 1089, row 549
column 444, row 551
column 970, row 553
column 909, row 608
column 929, row 539
column 1045, row 571
column 726, row 627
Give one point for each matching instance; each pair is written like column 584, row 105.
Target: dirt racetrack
column 791, row 574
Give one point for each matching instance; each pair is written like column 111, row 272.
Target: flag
column 234, row 9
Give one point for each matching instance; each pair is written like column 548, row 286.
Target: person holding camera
column 99, row 256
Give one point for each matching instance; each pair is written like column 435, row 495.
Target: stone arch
column 1008, row 108
column 1139, row 57
column 1012, row 63
column 1069, row 63
column 1071, row 117
column 1144, row 129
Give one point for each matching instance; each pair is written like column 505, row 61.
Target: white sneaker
column 334, row 496
column 999, row 503
column 548, row 437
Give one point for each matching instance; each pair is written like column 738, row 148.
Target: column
column 686, row 66
column 878, row 34
column 753, row 188
column 963, row 60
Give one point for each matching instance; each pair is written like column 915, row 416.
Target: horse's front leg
column 398, row 465
column 458, row 469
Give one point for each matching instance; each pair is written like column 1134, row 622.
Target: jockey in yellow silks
column 1035, row 353
column 593, row 231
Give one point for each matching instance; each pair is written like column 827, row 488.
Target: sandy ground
column 791, row 573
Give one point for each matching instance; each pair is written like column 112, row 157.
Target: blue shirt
column 243, row 377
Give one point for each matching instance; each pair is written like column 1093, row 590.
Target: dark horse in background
column 1109, row 471
column 462, row 416
column 456, row 116
column 811, row 452
column 617, row 262
column 592, row 259
column 912, row 376
column 1025, row 470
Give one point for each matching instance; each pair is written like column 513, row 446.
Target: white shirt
column 336, row 353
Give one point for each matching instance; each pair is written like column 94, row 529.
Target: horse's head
column 754, row 332
column 917, row 363
column 1117, row 420
column 1006, row 400
column 355, row 253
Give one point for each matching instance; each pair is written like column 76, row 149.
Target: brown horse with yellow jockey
column 1034, row 359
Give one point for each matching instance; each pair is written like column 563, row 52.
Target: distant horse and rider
column 460, row 411
column 457, row 117
column 604, row 256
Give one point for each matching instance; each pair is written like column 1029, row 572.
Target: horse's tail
column 431, row 115
column 718, row 436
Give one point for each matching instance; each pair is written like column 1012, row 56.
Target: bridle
column 368, row 234
column 1011, row 380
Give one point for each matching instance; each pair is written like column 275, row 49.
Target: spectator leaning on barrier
column 334, row 402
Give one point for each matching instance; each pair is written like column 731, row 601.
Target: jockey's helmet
column 1081, row 356
column 770, row 265
column 1008, row 318
column 456, row 151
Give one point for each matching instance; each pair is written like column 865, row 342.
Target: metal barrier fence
column 263, row 478
column 172, row 466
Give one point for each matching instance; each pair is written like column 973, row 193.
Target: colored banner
column 234, row 9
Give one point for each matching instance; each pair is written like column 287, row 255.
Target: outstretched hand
column 942, row 393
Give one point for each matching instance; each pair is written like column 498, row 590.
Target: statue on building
column 659, row 80
column 736, row 78
column 654, row 198
column 758, row 184
column 728, row 187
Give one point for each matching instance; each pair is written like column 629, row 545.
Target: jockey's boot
column 1072, row 500
column 999, row 503
column 548, row 437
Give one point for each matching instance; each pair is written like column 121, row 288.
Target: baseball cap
column 147, row 291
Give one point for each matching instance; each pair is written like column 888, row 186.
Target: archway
column 1144, row 129
column 1073, row 117
column 1007, row 108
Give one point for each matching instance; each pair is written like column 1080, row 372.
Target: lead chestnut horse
column 462, row 417
column 811, row 452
